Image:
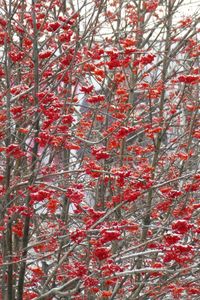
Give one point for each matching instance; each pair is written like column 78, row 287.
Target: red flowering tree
column 99, row 141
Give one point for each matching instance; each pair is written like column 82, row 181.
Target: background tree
column 99, row 145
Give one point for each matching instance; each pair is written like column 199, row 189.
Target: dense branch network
column 99, row 150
